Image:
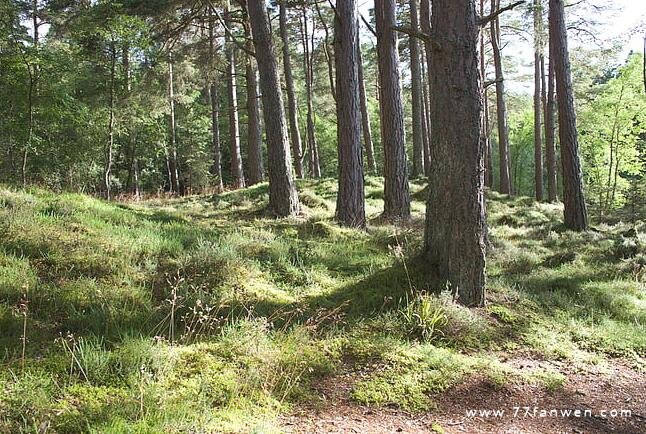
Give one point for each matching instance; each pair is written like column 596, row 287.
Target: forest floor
column 203, row 314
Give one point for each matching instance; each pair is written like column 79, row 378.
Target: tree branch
column 488, row 18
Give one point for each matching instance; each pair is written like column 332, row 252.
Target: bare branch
column 488, row 18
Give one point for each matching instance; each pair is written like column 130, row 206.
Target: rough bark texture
column 237, row 171
column 396, row 191
column 455, row 213
column 538, row 137
column 350, row 204
column 172, row 148
column 283, row 199
column 365, row 120
column 576, row 216
column 503, row 130
column 416, row 91
column 294, row 130
column 256, row 171
column 550, row 135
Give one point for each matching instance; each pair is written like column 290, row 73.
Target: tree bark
column 485, row 133
column 350, row 205
column 550, row 133
column 538, row 139
column 254, row 129
column 216, row 168
column 396, row 191
column 294, row 130
column 107, row 173
column 172, row 149
column 425, row 25
column 503, row 130
column 283, row 199
column 365, row 119
column 234, row 128
column 416, row 91
column 314, row 161
column 455, row 212
column 575, row 215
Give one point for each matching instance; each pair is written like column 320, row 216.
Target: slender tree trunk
column 350, row 204
column 426, row 137
column 538, row 139
column 576, row 216
column 485, row 133
column 455, row 213
column 107, row 173
column 416, row 90
column 294, row 130
column 503, row 130
column 283, row 199
column 365, row 119
column 315, row 163
column 326, row 50
column 216, row 168
column 172, row 149
column 550, row 135
column 234, row 128
column 425, row 24
column 396, row 192
column 254, row 129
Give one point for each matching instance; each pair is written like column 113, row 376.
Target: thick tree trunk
column 576, row 216
column 254, row 129
column 550, row 135
column 294, row 130
column 172, row 148
column 455, row 213
column 416, row 91
column 365, row 120
column 396, row 191
column 283, row 199
column 350, row 204
column 234, row 128
column 312, row 145
column 503, row 130
column 538, row 139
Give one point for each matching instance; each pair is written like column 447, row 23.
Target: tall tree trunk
column 107, row 173
column 326, row 50
column 550, row 134
column 350, row 204
column 455, row 213
column 216, row 168
column 365, row 119
column 283, row 199
column 425, row 24
column 538, row 139
column 294, row 130
column 254, row 129
column 234, row 128
column 396, row 191
column 576, row 216
column 315, row 163
column 172, row 149
column 416, row 91
column 503, row 130
column 485, row 133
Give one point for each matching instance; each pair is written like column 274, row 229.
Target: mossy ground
column 203, row 314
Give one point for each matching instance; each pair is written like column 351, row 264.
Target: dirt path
column 591, row 389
